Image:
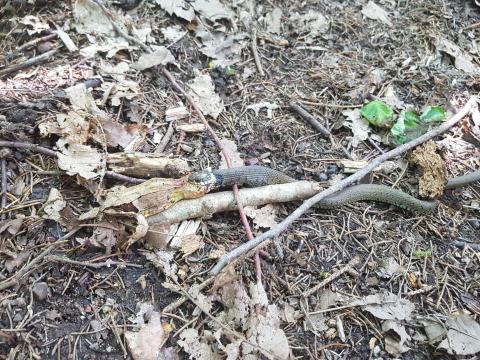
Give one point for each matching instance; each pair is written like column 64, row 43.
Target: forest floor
column 396, row 284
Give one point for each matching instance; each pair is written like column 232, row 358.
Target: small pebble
column 40, row 290
column 45, row 46
column 332, row 169
column 320, row 176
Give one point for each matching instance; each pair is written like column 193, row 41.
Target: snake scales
column 260, row 176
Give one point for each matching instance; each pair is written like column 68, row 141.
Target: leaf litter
column 91, row 123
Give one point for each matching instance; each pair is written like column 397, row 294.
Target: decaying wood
column 147, row 165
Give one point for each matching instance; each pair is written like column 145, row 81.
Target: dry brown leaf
column 147, row 343
column 387, row 306
column 193, row 344
column 54, row 205
column 73, row 128
column 263, row 217
column 80, row 159
column 231, row 150
column 202, row 90
column 375, row 12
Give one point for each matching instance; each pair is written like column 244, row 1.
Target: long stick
column 307, row 204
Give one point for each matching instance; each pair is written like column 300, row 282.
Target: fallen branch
column 281, row 227
column 225, row 201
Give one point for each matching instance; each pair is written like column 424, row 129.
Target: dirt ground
column 332, row 62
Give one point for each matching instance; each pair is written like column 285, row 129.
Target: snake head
column 205, row 178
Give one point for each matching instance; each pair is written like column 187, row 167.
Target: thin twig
column 33, row 43
column 99, row 265
column 30, row 62
column 256, row 57
column 281, row 227
column 28, row 146
column 165, row 139
column 351, row 265
column 3, row 170
column 305, row 115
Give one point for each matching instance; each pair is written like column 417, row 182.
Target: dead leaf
column 264, row 330
column 263, row 217
column 316, row 323
column 395, row 338
column 273, row 21
column 463, row 61
column 147, row 343
column 202, row 90
column 54, row 205
column 263, row 105
column 389, row 267
column 164, row 261
column 225, row 50
column 173, row 33
column 89, row 18
column 192, row 344
column 313, row 24
column 358, row 124
column 179, row 8
column 191, row 243
column 258, row 295
column 161, row 56
column 375, row 12
column 80, row 159
column 12, row 226
column 213, row 10
column 434, row 172
column 37, row 25
column 18, row 260
column 73, row 128
column 387, row 306
column 463, row 336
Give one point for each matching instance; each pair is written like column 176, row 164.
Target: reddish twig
column 307, row 204
column 3, row 165
column 243, row 217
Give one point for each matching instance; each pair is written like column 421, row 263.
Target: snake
column 256, row 176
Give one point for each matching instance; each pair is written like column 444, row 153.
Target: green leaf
column 398, row 131
column 433, row 114
column 230, row 70
column 422, row 253
column 411, row 119
column 377, row 113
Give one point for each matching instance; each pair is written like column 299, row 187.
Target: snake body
column 255, row 176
